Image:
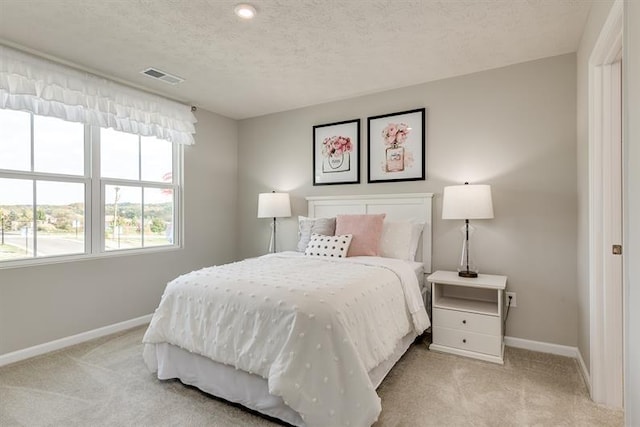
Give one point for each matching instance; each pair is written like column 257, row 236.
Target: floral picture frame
column 396, row 149
column 336, row 153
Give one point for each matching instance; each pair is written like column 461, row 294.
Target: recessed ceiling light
column 245, row 11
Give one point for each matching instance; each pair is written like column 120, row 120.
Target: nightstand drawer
column 464, row 321
column 480, row 343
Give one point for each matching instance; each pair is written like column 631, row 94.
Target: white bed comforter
column 312, row 327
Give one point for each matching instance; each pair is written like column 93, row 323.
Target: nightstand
column 467, row 315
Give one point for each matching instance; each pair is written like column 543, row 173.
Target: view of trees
column 157, row 216
column 65, row 224
column 48, row 218
column 61, row 218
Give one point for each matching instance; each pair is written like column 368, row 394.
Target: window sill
column 32, row 262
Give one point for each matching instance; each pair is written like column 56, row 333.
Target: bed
column 298, row 338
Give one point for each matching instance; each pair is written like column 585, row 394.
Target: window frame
column 94, row 202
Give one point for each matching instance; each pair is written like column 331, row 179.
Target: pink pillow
column 366, row 231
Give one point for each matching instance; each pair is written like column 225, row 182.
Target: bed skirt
column 237, row 386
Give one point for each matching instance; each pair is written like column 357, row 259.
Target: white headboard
column 398, row 207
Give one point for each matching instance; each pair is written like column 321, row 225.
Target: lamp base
column 468, row 273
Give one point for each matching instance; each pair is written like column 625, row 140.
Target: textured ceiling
column 295, row 52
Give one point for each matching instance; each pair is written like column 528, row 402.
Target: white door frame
column 605, row 222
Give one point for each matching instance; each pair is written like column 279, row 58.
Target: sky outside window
column 58, row 146
column 119, row 155
column 156, row 159
column 15, row 140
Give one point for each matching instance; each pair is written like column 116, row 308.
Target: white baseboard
column 543, row 347
column 50, row 346
column 37, row 350
column 561, row 350
column 585, row 372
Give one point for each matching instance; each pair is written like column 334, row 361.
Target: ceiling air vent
column 161, row 75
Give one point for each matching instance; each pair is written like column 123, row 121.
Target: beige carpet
column 105, row 383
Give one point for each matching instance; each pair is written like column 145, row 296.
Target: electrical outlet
column 513, row 299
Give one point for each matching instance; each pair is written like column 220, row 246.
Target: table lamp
column 273, row 205
column 467, row 202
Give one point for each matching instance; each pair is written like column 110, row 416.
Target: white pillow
column 307, row 226
column 400, row 239
column 328, row 246
column 416, row 234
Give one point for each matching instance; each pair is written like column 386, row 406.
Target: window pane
column 156, row 159
column 58, row 146
column 158, row 216
column 16, row 218
column 119, row 154
column 123, row 217
column 15, row 140
column 59, row 218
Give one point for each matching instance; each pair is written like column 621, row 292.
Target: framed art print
column 396, row 148
column 336, row 153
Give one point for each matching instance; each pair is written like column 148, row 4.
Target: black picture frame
column 342, row 138
column 396, row 146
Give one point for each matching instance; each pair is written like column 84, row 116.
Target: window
column 137, row 173
column 72, row 189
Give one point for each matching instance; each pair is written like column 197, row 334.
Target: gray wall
column 47, row 302
column 513, row 128
column 597, row 17
column 632, row 210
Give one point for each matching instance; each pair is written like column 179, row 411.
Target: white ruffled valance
column 47, row 88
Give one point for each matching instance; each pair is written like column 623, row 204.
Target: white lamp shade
column 467, row 202
column 274, row 205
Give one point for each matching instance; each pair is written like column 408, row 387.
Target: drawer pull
column 464, row 322
column 464, row 340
